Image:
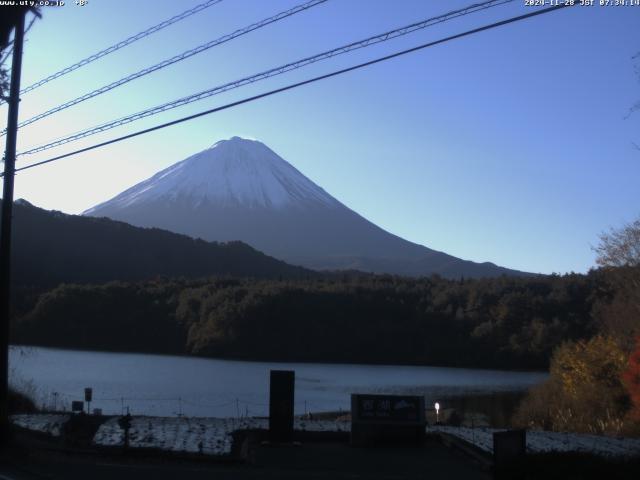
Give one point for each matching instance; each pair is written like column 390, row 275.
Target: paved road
column 314, row 461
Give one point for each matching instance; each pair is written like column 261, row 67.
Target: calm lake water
column 170, row 385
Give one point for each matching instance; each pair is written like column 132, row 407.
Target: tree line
column 506, row 322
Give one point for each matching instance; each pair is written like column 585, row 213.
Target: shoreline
column 267, row 360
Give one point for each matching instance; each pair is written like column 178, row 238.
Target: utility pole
column 5, row 226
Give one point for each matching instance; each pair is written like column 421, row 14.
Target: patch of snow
column 213, row 436
column 543, row 441
column 47, row 423
column 306, row 425
column 209, row 436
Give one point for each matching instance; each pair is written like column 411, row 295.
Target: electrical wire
column 175, row 59
column 121, row 44
column 299, row 84
column 383, row 37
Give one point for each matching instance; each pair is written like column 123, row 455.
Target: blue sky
column 508, row 146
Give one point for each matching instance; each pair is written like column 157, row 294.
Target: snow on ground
column 321, row 425
column 542, row 441
column 210, row 436
column 46, row 423
column 213, row 436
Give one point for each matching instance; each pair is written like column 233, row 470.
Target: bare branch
column 620, row 247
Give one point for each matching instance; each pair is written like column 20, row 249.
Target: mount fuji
column 240, row 189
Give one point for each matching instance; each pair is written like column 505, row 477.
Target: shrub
column 20, row 403
column 584, row 393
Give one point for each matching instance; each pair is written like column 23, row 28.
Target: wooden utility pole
column 5, row 226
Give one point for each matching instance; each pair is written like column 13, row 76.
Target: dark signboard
column 77, row 406
column 387, row 419
column 390, row 408
column 281, row 399
column 88, row 393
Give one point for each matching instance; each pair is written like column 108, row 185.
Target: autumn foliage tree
column 584, row 393
column 631, row 377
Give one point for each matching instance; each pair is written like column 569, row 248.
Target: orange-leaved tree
column 631, row 378
column 584, row 392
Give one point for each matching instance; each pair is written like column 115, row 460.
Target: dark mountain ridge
column 51, row 247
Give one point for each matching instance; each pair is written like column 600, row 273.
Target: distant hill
column 51, row 247
column 240, row 189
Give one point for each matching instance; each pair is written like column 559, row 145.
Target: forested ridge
column 51, row 247
column 503, row 322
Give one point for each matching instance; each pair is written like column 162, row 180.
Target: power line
column 299, row 84
column 269, row 73
column 170, row 61
column 383, row 37
column 121, row 44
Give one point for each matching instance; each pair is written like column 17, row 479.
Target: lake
column 170, row 385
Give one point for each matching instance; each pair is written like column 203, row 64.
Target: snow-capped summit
column 239, row 189
column 236, row 171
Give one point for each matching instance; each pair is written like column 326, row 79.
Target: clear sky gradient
column 511, row 146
